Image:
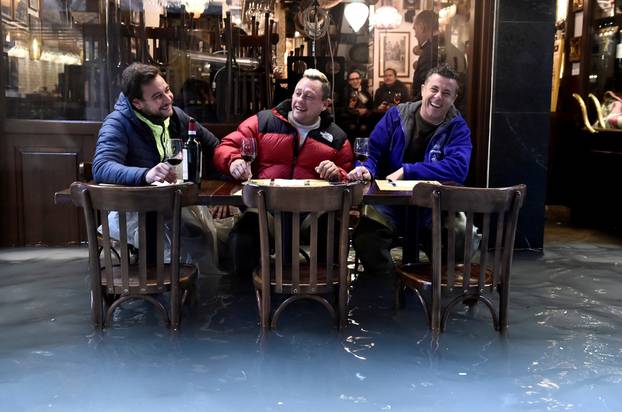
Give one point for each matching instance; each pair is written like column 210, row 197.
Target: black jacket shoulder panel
column 332, row 136
column 268, row 122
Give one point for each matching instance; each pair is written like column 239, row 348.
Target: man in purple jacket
column 423, row 140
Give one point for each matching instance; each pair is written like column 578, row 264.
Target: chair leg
column 400, row 289
column 435, row 315
column 97, row 308
column 264, row 309
column 343, row 304
column 504, row 291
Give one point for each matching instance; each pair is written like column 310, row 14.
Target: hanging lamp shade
column 196, row 7
column 356, row 14
column 387, row 18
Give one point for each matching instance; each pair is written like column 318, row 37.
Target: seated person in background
column 391, row 92
column 295, row 140
column 130, row 146
column 422, row 140
column 356, row 108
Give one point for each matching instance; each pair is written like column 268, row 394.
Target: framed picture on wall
column 394, row 52
column 20, row 8
column 574, row 54
column 34, row 4
column 6, row 8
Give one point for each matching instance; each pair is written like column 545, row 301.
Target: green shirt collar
column 160, row 132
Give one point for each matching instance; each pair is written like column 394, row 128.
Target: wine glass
column 173, row 152
column 353, row 99
column 361, row 149
column 248, row 150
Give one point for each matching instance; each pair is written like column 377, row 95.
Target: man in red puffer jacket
column 298, row 139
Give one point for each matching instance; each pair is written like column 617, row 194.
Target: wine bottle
column 194, row 155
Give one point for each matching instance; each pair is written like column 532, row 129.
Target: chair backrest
column 152, row 204
column 302, row 204
column 494, row 209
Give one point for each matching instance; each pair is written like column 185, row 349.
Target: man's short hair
column 135, row 76
column 390, row 69
column 429, row 19
column 446, row 71
column 314, row 74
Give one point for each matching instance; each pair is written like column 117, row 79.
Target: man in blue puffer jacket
column 423, row 140
column 130, row 147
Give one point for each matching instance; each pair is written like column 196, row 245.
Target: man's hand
column 160, row 173
column 362, row 112
column 359, row 173
column 328, row 170
column 240, row 170
column 383, row 107
column 221, row 211
column 397, row 175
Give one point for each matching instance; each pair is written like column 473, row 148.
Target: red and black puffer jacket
column 278, row 154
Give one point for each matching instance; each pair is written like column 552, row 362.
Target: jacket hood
column 124, row 107
column 407, row 114
column 283, row 109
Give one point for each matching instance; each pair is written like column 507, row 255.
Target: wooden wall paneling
column 39, row 172
column 44, row 155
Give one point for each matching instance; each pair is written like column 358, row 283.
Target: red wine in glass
column 361, row 157
column 173, row 152
column 173, row 161
column 361, row 148
column 248, row 151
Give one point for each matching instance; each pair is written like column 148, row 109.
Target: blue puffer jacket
column 447, row 155
column 126, row 147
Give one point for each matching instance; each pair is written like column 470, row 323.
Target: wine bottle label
column 185, row 164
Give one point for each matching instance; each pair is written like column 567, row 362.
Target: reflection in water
column 562, row 350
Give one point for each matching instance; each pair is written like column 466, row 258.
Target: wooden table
column 222, row 192
column 374, row 196
column 212, row 192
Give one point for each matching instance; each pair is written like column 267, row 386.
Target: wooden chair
column 114, row 284
column 443, row 283
column 301, row 280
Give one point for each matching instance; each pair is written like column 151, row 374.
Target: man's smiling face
column 438, row 94
column 308, row 102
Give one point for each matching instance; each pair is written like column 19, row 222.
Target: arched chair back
column 286, row 216
column 149, row 208
column 482, row 266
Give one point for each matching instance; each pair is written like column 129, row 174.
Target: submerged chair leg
column 97, row 308
column 264, row 309
column 504, row 292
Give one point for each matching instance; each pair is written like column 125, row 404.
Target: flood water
column 563, row 349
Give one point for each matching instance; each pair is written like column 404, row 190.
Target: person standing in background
column 426, row 33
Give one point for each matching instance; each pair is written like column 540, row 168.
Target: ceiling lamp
column 387, row 18
column 196, row 7
column 356, row 14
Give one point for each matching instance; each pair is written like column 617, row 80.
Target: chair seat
column 421, row 273
column 305, row 279
column 187, row 274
